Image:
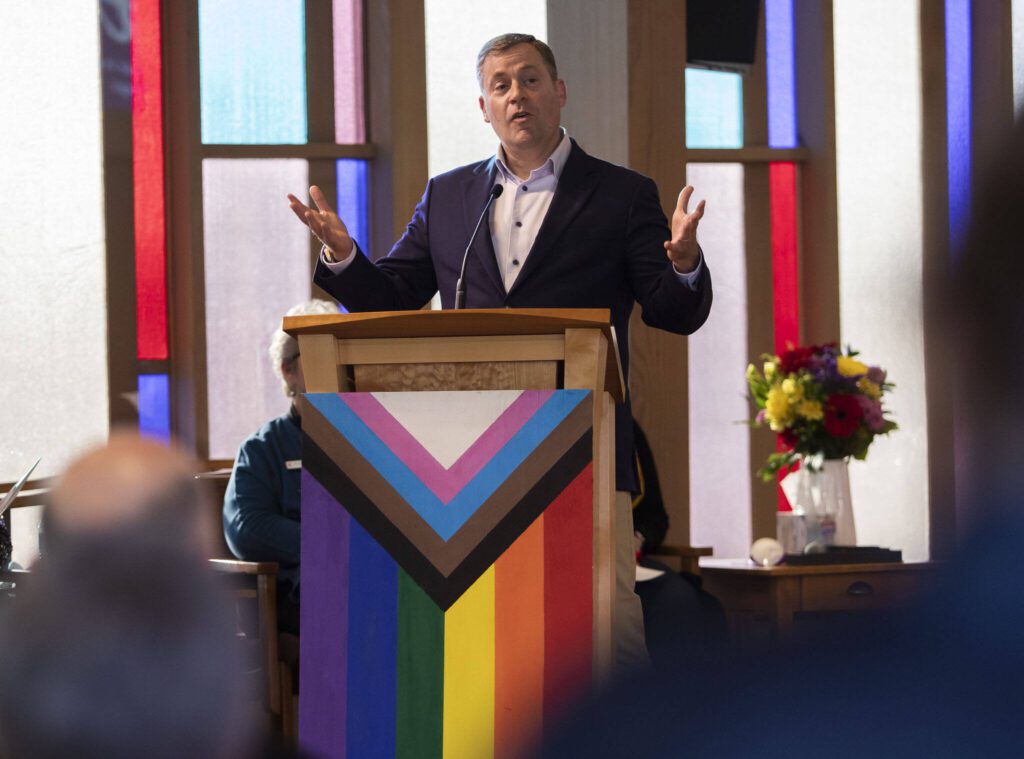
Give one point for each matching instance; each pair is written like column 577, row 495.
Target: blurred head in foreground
column 130, row 483
column 120, row 645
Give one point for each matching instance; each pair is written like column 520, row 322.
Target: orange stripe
column 519, row 645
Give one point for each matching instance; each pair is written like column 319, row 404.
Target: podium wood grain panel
column 452, row 349
column 491, row 375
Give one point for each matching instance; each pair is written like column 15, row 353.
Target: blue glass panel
column 714, row 109
column 354, row 200
column 958, row 115
column 252, row 63
column 778, row 19
column 154, row 406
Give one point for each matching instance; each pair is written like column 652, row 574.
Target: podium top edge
column 491, row 322
column 448, row 323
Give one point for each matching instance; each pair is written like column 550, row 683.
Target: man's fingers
column 684, row 198
column 320, row 200
column 298, row 208
column 698, row 212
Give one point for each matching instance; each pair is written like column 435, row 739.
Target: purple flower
column 872, row 413
column 876, row 374
column 823, row 367
column 760, row 417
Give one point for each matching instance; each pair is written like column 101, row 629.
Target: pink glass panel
column 349, row 103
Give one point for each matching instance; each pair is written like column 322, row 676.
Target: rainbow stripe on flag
column 447, row 570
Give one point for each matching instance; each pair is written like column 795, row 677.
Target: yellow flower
column 777, row 409
column 793, row 389
column 850, row 367
column 810, row 410
column 751, row 373
column 869, row 388
column 769, row 369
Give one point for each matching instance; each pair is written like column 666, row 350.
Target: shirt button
column 515, row 262
column 525, row 188
column 519, row 223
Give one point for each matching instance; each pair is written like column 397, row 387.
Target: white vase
column 820, row 490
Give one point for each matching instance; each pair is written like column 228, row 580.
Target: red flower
column 789, row 438
column 794, row 360
column 842, row 415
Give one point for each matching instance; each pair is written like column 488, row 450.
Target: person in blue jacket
column 261, row 504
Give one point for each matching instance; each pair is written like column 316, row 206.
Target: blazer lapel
column 473, row 200
column 571, row 195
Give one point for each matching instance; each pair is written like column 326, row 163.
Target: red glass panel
column 148, row 170
column 785, row 266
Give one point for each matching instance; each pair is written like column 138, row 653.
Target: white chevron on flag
column 445, row 434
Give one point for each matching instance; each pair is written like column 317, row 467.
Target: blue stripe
column 372, row 647
column 374, row 450
column 958, row 118
column 446, row 520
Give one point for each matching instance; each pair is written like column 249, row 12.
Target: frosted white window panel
column 52, row 278
column 455, row 32
column 879, row 174
column 257, row 266
column 720, row 463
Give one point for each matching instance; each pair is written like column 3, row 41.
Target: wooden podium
column 458, row 562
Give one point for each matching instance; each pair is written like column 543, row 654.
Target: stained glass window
column 778, row 17
column 1018, row 55
column 154, row 406
column 879, row 174
column 353, row 200
column 148, row 179
column 252, row 71
column 52, row 281
column 455, row 32
column 256, row 267
column 714, row 109
column 719, row 500
column 349, row 103
column 958, row 115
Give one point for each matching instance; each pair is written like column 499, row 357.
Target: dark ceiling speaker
column 721, row 34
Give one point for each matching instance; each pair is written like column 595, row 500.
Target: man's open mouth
column 520, row 116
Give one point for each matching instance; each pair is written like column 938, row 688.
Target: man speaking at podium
column 541, row 224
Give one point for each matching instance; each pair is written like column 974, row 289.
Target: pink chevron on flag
column 443, row 482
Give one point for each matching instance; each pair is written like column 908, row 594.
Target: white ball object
column 767, row 552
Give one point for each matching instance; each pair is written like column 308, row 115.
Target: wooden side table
column 755, row 595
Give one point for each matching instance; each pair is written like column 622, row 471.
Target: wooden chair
column 256, row 581
column 686, row 557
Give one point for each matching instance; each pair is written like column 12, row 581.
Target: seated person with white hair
column 261, row 505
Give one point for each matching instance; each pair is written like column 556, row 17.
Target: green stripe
column 420, row 696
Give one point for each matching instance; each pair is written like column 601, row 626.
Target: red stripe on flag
column 568, row 595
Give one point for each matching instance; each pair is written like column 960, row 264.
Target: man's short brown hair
column 504, row 42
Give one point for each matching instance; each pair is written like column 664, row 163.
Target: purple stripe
column 323, row 668
column 445, row 483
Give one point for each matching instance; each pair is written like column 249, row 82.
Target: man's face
column 520, row 99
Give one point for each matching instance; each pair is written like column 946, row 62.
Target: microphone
column 460, row 286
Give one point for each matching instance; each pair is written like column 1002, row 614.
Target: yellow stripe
column 469, row 673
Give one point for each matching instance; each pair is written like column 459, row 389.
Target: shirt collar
column 554, row 164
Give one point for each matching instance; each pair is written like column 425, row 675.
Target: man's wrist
column 686, row 267
column 328, row 255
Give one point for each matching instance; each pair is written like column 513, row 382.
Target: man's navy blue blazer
column 600, row 246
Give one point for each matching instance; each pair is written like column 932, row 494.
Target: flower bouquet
column 823, row 403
